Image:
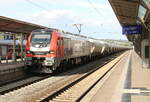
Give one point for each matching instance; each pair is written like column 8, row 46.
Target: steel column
column 14, row 48
column 21, row 46
column 149, row 47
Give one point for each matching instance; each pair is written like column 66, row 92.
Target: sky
column 96, row 16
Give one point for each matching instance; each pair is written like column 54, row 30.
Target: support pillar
column 145, row 53
column 149, row 47
column 14, row 48
column 21, row 46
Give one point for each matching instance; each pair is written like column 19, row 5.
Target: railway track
column 47, row 89
column 76, row 90
column 19, row 83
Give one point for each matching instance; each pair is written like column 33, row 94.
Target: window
column 147, row 2
column 142, row 12
column 41, row 38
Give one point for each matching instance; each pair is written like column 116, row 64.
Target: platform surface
column 128, row 82
column 4, row 65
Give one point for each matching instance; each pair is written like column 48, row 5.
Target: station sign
column 132, row 29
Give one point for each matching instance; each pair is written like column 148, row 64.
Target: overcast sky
column 97, row 16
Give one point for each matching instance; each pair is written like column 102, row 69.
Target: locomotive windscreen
column 38, row 37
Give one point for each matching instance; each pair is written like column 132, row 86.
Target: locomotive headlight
column 51, row 51
column 28, row 52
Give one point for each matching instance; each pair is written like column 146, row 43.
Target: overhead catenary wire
column 95, row 8
column 48, row 10
column 98, row 12
column 41, row 7
column 37, row 5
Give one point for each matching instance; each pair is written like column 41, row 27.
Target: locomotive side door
column 60, row 47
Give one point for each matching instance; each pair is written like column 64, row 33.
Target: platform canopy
column 17, row 26
column 132, row 12
column 125, row 10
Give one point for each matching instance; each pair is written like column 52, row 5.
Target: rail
column 75, row 91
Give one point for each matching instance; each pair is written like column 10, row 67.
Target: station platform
column 7, row 66
column 10, row 61
column 128, row 82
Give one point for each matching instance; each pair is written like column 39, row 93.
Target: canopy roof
column 126, row 11
column 132, row 12
column 17, row 26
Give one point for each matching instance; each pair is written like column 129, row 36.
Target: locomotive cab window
column 38, row 37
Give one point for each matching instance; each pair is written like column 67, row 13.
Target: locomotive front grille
column 40, row 53
column 38, row 60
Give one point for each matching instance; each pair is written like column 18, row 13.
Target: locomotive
column 47, row 49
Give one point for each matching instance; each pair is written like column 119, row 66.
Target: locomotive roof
column 46, row 30
column 76, row 35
